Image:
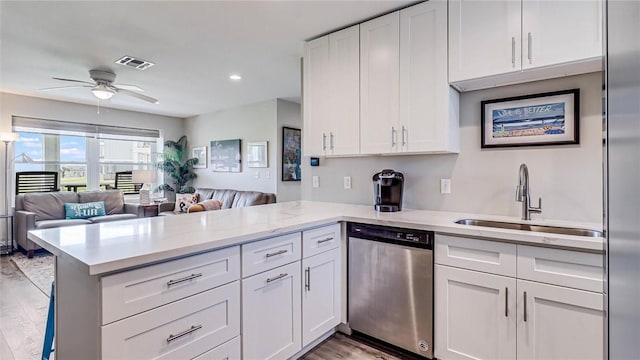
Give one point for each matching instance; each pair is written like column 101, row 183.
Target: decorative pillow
column 195, row 208
column 211, row 204
column 84, row 210
column 184, row 201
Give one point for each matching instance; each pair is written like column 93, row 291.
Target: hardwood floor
column 23, row 316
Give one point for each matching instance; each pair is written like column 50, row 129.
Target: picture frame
column 551, row 118
column 291, row 154
column 200, row 153
column 225, row 155
column 257, row 154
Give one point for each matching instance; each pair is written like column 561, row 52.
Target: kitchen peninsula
column 103, row 270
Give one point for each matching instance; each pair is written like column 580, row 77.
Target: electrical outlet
column 257, row 175
column 268, row 175
column 347, row 182
column 316, row 181
column 445, row 186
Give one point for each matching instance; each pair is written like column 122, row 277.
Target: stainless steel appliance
column 388, row 185
column 623, row 179
column 391, row 286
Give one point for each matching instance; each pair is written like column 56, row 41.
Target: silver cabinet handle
column 186, row 332
column 393, row 136
column 181, row 280
column 280, row 252
column 324, row 141
column 325, row 240
column 525, row 306
column 506, row 302
column 513, row 51
column 331, row 140
column 269, row 280
column 404, row 142
column 530, row 47
column 307, row 279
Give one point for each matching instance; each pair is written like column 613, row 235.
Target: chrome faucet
column 522, row 194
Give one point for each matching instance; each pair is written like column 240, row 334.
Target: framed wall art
column 291, row 154
column 257, row 154
column 225, row 155
column 551, row 118
column 200, row 153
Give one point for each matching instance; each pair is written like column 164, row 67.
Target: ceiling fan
column 103, row 87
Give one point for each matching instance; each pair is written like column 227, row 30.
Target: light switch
column 347, row 182
column 445, row 186
column 316, row 181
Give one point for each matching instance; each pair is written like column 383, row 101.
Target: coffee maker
column 387, row 190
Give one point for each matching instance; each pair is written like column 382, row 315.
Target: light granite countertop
column 114, row 246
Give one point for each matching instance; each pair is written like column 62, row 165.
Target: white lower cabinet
column 321, row 294
column 230, row 350
column 475, row 315
column 271, row 313
column 559, row 323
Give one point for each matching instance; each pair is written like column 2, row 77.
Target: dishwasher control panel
column 400, row 236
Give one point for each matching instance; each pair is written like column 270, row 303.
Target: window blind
column 56, row 127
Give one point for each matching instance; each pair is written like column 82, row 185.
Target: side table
column 7, row 247
column 149, row 210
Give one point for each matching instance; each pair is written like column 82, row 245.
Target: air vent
column 130, row 61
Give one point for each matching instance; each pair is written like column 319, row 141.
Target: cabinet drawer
column 320, row 240
column 181, row 330
column 228, row 351
column 267, row 254
column 481, row 255
column 574, row 269
column 132, row 292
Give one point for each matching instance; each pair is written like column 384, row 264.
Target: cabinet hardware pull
column 324, row 141
column 506, row 302
column 307, row 279
column 525, row 306
column 404, row 142
column 513, row 51
column 186, row 278
column 393, row 136
column 279, row 252
column 331, row 140
column 325, row 240
column 276, row 278
column 186, row 332
column 530, row 47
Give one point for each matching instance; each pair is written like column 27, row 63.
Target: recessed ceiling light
column 235, row 77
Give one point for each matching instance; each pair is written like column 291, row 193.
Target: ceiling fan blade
column 128, row 87
column 66, row 87
column 136, row 95
column 71, row 80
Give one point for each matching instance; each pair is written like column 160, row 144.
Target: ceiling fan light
column 102, row 92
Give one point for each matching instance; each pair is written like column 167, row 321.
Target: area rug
column 39, row 270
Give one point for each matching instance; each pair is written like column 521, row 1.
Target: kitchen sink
column 530, row 227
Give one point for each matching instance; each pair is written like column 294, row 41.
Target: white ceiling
column 195, row 46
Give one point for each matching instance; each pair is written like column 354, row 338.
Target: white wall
column 289, row 115
column 254, row 122
column 568, row 177
column 11, row 104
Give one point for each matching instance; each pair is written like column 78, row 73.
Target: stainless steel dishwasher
column 391, row 286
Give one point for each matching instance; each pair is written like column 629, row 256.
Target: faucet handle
column 537, row 209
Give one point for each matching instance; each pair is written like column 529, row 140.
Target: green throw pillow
column 84, row 210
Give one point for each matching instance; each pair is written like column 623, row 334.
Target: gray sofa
column 46, row 210
column 229, row 199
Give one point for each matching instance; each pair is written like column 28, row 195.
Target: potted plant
column 178, row 167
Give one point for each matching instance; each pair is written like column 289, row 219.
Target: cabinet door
column 561, row 323
column 321, row 295
column 344, row 58
column 379, row 84
column 484, row 38
column 475, row 315
column 271, row 313
column 424, row 90
column 316, row 72
column 555, row 32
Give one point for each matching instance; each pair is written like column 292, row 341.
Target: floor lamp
column 6, row 138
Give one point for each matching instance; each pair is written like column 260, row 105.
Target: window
column 86, row 156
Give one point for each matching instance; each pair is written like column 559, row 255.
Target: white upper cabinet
column 556, row 32
column 315, row 101
column 379, row 84
column 428, row 105
column 500, row 42
column 484, row 38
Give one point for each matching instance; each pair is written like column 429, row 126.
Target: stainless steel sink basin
column 529, row 227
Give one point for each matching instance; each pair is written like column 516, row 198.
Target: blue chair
column 47, row 348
